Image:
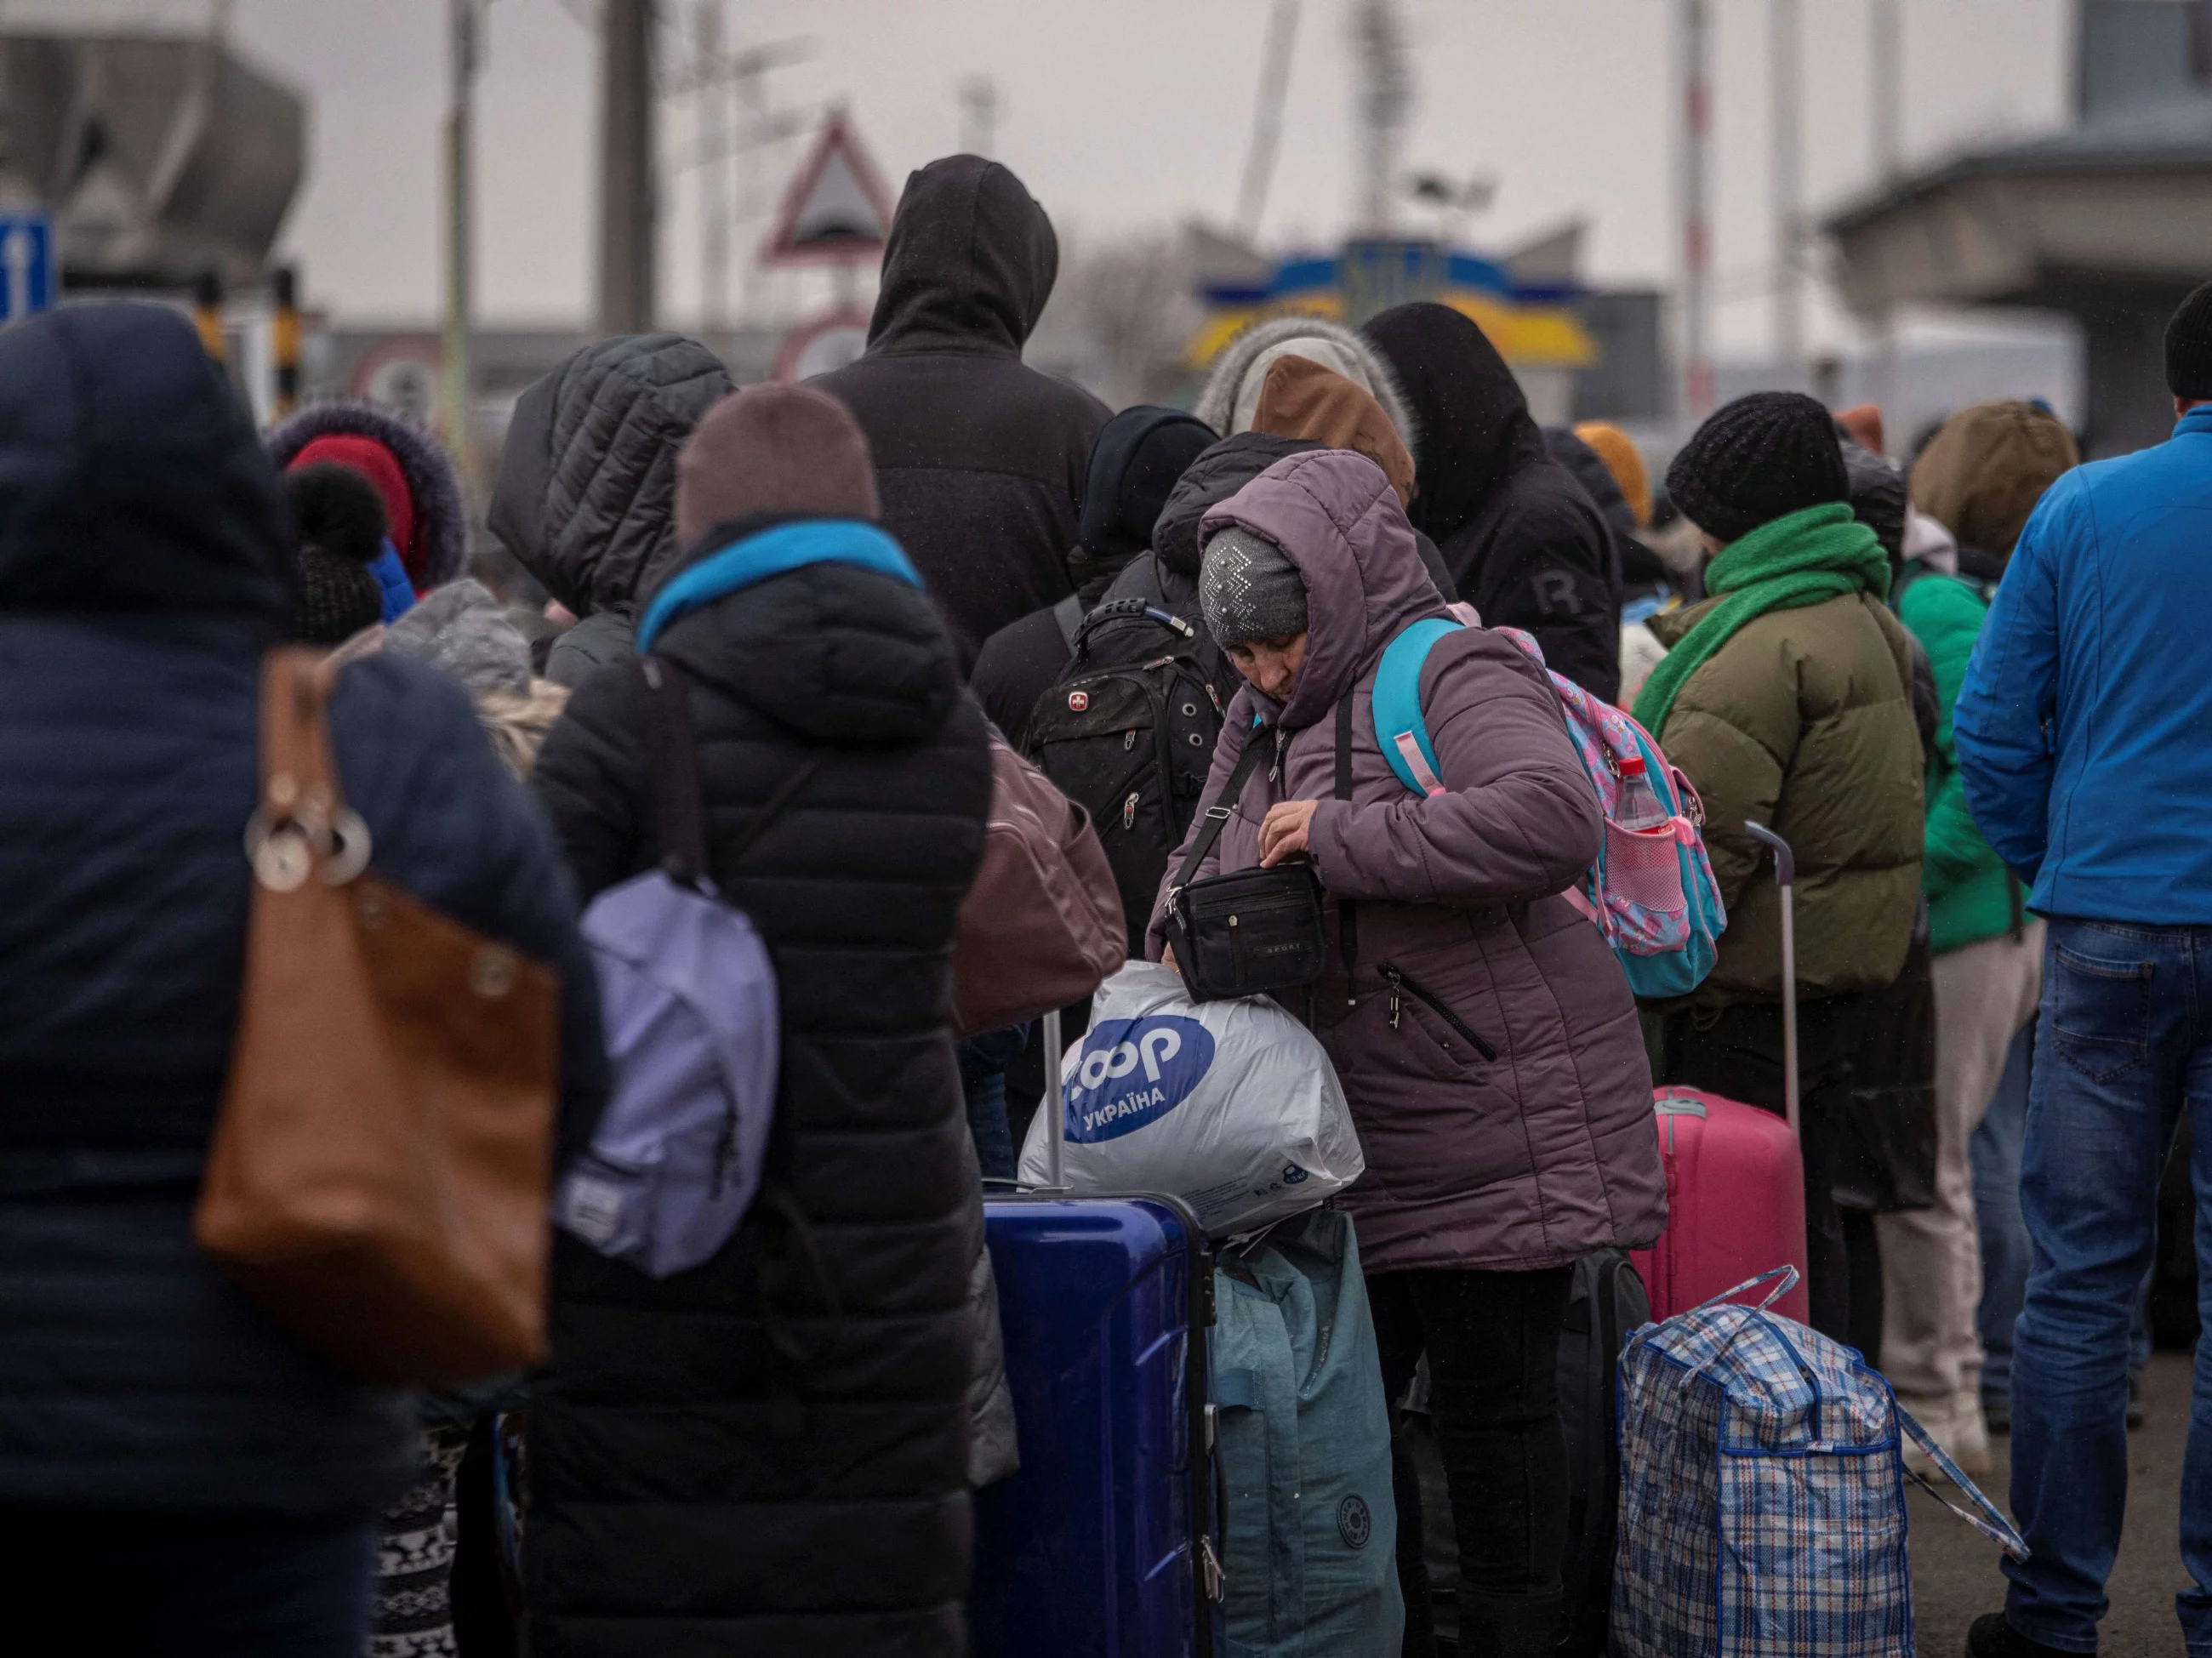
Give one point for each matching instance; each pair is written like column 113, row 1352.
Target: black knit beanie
column 1756, row 459
column 333, row 598
column 2189, row 346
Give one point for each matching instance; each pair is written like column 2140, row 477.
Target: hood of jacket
column 439, row 548
column 821, row 624
column 1337, row 518
column 970, row 263
column 463, row 630
column 1476, row 428
column 1231, row 397
column 1218, row 473
column 1135, row 465
column 586, row 497
column 1877, row 499
column 1983, row 474
column 130, row 478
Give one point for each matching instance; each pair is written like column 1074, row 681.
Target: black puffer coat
column 979, row 459
column 586, row 497
column 678, row 1507
column 1526, row 544
column 145, row 567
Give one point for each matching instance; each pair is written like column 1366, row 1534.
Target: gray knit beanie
column 1249, row 590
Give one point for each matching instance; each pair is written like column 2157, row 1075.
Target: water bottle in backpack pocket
column 1651, row 892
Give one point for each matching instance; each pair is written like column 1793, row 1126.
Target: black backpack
column 1130, row 733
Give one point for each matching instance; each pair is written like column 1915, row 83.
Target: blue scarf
column 774, row 552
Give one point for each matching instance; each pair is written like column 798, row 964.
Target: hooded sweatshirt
column 586, row 497
column 980, row 460
column 145, row 563
column 1526, row 544
column 1546, row 1152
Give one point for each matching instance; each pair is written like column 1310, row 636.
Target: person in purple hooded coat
column 1485, row 1034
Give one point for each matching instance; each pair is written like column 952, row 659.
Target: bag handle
column 1224, row 807
column 1786, row 1275
column 1126, row 610
column 1990, row 1522
column 679, row 806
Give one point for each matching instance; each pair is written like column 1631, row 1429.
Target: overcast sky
column 1118, row 114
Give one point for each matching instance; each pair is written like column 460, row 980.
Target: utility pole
column 1783, row 68
column 979, row 115
column 713, row 170
column 1694, row 185
column 1886, row 73
column 626, row 216
column 456, row 384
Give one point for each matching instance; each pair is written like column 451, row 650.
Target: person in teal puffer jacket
column 1972, row 491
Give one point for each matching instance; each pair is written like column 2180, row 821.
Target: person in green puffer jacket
column 1786, row 699
column 1976, row 483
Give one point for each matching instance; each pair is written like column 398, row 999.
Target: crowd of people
column 1967, row 691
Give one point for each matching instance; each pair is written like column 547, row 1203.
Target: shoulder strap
column 1069, row 614
column 1225, row 804
column 1347, row 911
column 678, row 806
column 679, row 816
column 1400, row 731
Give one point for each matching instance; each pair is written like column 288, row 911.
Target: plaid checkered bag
column 1762, row 1492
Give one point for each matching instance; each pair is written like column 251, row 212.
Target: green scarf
column 1805, row 558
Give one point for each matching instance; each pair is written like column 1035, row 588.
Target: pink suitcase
column 1735, row 1203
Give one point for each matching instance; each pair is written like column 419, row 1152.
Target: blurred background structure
column 1650, row 204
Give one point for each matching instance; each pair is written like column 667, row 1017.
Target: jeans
column 2003, row 1233
column 2122, row 1046
column 1493, row 1340
column 983, row 1078
column 185, row 1585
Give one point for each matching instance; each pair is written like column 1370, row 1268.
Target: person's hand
column 1284, row 831
column 1167, row 956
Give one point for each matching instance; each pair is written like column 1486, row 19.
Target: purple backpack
column 687, row 997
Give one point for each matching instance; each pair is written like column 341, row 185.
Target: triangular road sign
column 835, row 211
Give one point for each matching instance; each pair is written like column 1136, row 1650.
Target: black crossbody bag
column 1253, row 932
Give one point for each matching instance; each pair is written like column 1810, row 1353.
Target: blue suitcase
column 1105, row 1545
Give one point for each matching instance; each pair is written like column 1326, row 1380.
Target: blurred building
column 2109, row 224
column 161, row 158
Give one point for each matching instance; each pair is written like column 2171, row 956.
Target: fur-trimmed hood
column 439, row 549
column 1232, row 396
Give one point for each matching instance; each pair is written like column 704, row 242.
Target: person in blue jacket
column 2084, row 736
column 178, row 1473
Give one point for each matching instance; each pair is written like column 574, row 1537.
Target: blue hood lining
column 774, row 552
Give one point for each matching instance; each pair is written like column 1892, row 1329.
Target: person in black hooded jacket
column 767, row 1455
column 177, row 1473
column 586, row 488
column 979, row 459
column 1138, row 456
column 1526, row 544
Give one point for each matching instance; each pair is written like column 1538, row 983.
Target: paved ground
column 1954, row 1572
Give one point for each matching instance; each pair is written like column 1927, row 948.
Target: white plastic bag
column 1231, row 1106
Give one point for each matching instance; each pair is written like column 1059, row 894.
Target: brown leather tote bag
column 379, row 1173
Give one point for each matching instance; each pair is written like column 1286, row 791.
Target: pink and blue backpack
column 1651, row 892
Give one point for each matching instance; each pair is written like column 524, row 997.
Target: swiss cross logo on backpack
column 1078, row 701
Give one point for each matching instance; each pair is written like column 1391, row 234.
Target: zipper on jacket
column 1399, row 981
column 1282, row 741
column 1129, row 810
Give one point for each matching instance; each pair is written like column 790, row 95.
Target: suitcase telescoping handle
column 1055, row 1103
column 1785, row 877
